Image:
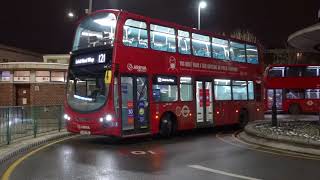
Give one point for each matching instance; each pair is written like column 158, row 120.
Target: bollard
column 34, row 121
column 60, row 118
column 8, row 126
column 274, row 110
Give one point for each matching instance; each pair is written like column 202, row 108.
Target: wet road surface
column 204, row 154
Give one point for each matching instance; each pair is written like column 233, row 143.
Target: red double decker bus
column 132, row 75
column 297, row 88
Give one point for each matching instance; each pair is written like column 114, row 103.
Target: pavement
column 282, row 142
column 25, row 144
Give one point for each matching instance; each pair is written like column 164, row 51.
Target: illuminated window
column 201, row 45
column 237, row 52
column 135, row 34
column 294, row 94
column 42, row 76
column 220, row 49
column 251, row 90
column 21, row 76
column 252, row 54
column 57, row 76
column 313, row 94
column 239, row 90
column 222, row 89
column 184, row 42
column 276, row 72
column 186, row 92
column 162, row 38
column 312, row 71
column 5, row 76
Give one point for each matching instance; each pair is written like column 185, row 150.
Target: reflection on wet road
column 204, row 154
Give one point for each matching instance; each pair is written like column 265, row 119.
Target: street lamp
column 70, row 14
column 202, row 5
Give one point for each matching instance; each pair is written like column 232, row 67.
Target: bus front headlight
column 108, row 117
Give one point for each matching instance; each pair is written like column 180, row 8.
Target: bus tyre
column 243, row 118
column 166, row 126
column 294, row 109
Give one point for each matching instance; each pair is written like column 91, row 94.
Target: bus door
column 279, row 97
column 134, row 105
column 204, row 103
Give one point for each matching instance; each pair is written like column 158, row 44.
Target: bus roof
column 166, row 23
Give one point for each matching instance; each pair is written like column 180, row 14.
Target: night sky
column 42, row 25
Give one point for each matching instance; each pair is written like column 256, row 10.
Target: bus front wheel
column 166, row 126
column 294, row 109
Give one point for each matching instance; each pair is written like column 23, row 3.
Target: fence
column 29, row 121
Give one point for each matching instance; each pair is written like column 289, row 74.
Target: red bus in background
column 131, row 75
column 297, row 88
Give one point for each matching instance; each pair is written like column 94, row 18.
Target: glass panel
column 220, row 48
column 165, row 93
column 278, row 98
column 184, row 42
column 162, row 38
column 57, row 76
column 239, row 90
column 135, row 34
column 137, row 24
column 294, row 94
column 87, row 89
column 127, row 103
column 276, row 72
column 311, row 71
column 96, row 30
column 251, row 90
column 222, row 89
column 186, row 92
column 21, row 76
column 252, row 54
column 116, row 96
column 294, row 71
column 209, row 108
column 142, row 102
column 312, row 93
column 199, row 101
column 237, row 52
column 201, row 45
column 5, row 76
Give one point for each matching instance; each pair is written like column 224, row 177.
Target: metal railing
column 29, row 121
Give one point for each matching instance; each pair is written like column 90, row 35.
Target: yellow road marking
column 268, row 150
column 12, row 167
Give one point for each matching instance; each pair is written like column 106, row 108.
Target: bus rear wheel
column 243, row 118
column 166, row 126
column 294, row 109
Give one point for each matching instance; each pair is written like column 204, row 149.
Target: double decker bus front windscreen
column 94, row 31
column 88, row 86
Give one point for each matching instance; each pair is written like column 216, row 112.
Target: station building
column 28, row 78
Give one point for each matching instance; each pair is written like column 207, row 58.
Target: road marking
column 12, row 167
column 142, row 152
column 268, row 150
column 222, row 172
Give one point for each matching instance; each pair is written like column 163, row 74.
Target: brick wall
column 7, row 94
column 47, row 94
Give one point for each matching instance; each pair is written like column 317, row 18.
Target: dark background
column 43, row 26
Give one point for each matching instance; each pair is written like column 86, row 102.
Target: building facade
column 31, row 79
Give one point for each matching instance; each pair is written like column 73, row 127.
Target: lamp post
column 90, row 7
column 202, row 5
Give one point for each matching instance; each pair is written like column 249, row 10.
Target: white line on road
column 221, row 172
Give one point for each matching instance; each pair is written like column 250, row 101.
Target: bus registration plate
column 83, row 132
